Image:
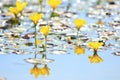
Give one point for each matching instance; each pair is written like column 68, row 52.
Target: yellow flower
column 38, row 42
column 79, row 50
column 44, row 71
column 45, row 30
column 13, row 10
column 35, row 17
column 95, row 45
column 79, row 23
column 20, row 6
column 95, row 58
column 35, row 71
column 54, row 3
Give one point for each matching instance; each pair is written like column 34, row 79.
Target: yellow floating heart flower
column 95, row 45
column 35, row 71
column 20, row 5
column 79, row 23
column 54, row 3
column 13, row 10
column 95, row 58
column 44, row 71
column 38, row 42
column 45, row 30
column 79, row 50
column 35, row 17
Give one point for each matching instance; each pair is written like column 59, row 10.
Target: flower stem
column 16, row 21
column 35, row 40
column 35, row 37
column 45, row 49
column 52, row 14
column 77, row 34
column 68, row 7
column 99, row 2
column 95, row 52
column 40, row 6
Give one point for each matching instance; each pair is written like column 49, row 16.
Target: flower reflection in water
column 44, row 70
column 79, row 50
column 95, row 58
column 35, row 71
column 40, row 71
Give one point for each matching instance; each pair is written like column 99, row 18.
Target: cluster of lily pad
column 57, row 34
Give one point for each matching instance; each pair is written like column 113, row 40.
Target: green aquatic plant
column 45, row 30
column 54, row 4
column 79, row 23
column 35, row 17
column 17, row 11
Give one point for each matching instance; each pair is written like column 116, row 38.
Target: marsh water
column 102, row 24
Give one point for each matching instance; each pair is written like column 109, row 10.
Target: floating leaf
column 58, row 52
column 38, row 61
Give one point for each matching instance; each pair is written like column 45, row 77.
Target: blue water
column 66, row 67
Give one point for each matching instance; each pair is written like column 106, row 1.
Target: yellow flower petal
column 13, row 10
column 35, row 17
column 95, row 45
column 20, row 5
column 79, row 50
column 95, row 58
column 35, row 71
column 38, row 42
column 45, row 71
column 54, row 3
column 79, row 23
column 45, row 30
